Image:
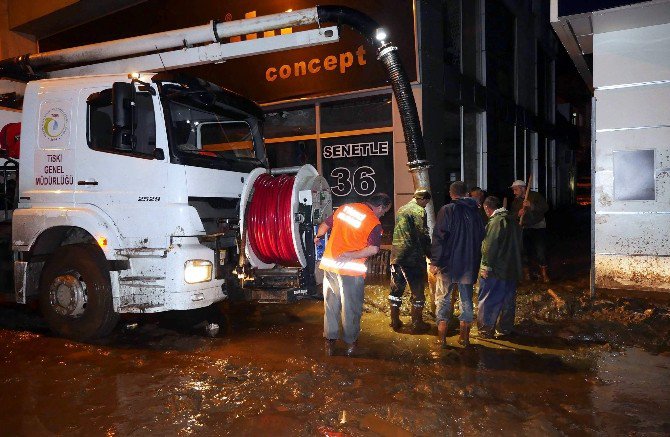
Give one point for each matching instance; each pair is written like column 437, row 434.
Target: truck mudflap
column 26, row 279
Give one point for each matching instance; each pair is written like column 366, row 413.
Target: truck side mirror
column 123, row 110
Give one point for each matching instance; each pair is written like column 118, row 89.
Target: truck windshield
column 208, row 134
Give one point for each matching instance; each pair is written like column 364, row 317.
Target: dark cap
column 422, row 193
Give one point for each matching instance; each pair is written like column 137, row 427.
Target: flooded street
column 577, row 366
column 266, row 373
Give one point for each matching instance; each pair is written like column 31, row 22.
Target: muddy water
column 268, row 375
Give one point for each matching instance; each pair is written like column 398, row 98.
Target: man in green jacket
column 500, row 267
column 411, row 246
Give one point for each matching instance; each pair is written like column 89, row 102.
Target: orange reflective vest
column 352, row 224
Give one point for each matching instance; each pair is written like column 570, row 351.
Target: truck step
column 285, row 295
column 142, row 252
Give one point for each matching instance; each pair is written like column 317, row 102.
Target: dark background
column 572, row 7
column 247, row 75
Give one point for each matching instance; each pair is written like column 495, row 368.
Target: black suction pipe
column 388, row 55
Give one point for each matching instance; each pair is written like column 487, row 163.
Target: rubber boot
column 544, row 276
column 464, row 338
column 352, row 349
column 418, row 325
column 396, row 323
column 442, row 333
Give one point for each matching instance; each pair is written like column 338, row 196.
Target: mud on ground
column 565, row 311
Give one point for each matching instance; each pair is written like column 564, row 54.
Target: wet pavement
column 266, row 373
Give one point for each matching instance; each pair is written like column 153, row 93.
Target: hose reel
column 276, row 208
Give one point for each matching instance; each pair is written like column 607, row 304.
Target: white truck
column 136, row 190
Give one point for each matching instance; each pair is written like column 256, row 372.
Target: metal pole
column 421, row 179
column 593, row 197
column 208, row 33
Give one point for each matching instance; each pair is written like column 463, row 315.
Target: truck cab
column 151, row 192
column 129, row 196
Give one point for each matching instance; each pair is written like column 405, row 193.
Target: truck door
column 129, row 184
column 49, row 178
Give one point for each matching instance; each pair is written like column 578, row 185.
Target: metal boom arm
column 206, row 54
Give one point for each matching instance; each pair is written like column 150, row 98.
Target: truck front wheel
column 76, row 293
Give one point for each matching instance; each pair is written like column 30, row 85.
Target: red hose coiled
column 269, row 221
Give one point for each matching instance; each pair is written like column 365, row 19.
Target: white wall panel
column 628, row 140
column 631, row 56
column 633, row 234
column 631, row 76
column 633, row 107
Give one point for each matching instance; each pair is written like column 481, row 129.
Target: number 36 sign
column 357, row 167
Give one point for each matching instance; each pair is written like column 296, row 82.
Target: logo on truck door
column 54, row 168
column 54, row 124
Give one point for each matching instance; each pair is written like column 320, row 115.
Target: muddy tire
column 76, row 293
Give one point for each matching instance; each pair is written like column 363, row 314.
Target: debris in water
column 383, row 427
column 130, row 326
column 559, row 302
column 212, row 329
column 329, row 432
column 343, row 417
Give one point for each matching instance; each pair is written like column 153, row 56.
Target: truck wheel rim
column 68, row 295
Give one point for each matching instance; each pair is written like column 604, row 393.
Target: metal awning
column 576, row 31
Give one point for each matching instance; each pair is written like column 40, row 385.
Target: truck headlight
column 197, row 270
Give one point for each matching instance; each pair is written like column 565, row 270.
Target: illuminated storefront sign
column 357, row 167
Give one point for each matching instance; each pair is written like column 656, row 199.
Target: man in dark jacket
column 500, row 267
column 455, row 256
column 479, row 195
column 411, row 246
column 529, row 211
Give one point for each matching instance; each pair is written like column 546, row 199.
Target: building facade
column 623, row 54
column 483, row 74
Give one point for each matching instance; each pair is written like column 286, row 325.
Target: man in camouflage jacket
column 411, row 246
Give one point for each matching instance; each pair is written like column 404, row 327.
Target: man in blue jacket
column 455, row 257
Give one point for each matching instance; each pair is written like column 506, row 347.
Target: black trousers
column 535, row 246
column 415, row 277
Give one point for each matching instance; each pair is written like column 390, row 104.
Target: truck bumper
column 155, row 282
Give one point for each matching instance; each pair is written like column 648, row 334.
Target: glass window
column 500, row 148
column 205, row 133
column 520, row 153
column 451, row 19
column 100, row 123
column 292, row 153
column 452, row 146
column 290, row 122
column 471, row 29
column 354, row 114
column 500, row 42
column 470, row 149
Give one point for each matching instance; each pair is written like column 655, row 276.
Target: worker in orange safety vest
column 356, row 234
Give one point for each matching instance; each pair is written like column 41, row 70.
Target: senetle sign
column 357, row 167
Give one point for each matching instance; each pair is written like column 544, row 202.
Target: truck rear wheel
column 76, row 293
